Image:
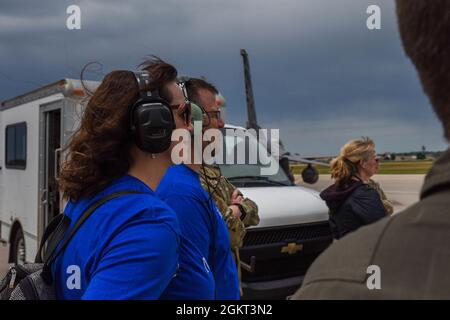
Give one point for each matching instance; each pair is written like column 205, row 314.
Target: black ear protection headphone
column 198, row 112
column 151, row 118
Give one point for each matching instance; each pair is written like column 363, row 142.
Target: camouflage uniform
column 387, row 203
column 221, row 190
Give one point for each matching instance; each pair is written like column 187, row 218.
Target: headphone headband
column 143, row 79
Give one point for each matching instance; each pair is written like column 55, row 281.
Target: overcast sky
column 318, row 73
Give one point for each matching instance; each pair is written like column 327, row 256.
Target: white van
column 35, row 126
column 293, row 228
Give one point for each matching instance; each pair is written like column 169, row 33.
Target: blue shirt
column 207, row 269
column 127, row 249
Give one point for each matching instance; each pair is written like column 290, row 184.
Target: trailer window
column 16, row 146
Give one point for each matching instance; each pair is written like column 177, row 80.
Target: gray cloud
column 312, row 61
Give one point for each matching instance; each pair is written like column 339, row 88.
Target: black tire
column 18, row 248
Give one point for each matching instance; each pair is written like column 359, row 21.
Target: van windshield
column 248, row 173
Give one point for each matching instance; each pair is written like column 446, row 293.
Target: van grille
column 271, row 263
column 299, row 233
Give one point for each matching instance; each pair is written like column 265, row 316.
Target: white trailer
column 33, row 128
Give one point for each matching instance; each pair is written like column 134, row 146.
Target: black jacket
column 352, row 205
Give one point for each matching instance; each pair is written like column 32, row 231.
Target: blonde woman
column 352, row 201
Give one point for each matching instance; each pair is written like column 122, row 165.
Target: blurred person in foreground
column 410, row 249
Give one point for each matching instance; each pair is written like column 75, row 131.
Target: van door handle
column 249, row 267
column 44, row 197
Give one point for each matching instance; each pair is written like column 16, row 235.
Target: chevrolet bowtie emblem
column 292, row 248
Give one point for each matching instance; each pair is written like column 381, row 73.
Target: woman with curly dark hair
column 127, row 249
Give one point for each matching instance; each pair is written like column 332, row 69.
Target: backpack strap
column 50, row 256
column 56, row 237
column 57, row 223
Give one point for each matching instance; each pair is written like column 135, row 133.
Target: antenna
column 251, row 112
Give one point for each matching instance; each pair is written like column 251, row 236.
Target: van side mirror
column 310, row 174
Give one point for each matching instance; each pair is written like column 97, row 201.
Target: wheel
column 18, row 248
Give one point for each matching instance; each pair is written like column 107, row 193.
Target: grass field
column 388, row 167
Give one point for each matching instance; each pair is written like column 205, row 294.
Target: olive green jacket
column 410, row 248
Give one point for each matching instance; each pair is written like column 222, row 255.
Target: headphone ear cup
column 152, row 126
column 151, row 118
column 199, row 114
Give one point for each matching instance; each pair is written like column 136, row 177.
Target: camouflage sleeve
column 223, row 190
column 251, row 217
column 388, row 206
column 386, row 202
column 251, row 212
column 236, row 229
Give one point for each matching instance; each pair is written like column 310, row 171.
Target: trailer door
column 49, row 155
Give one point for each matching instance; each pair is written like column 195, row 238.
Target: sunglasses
column 184, row 110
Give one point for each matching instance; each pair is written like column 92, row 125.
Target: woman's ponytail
column 345, row 166
column 342, row 169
